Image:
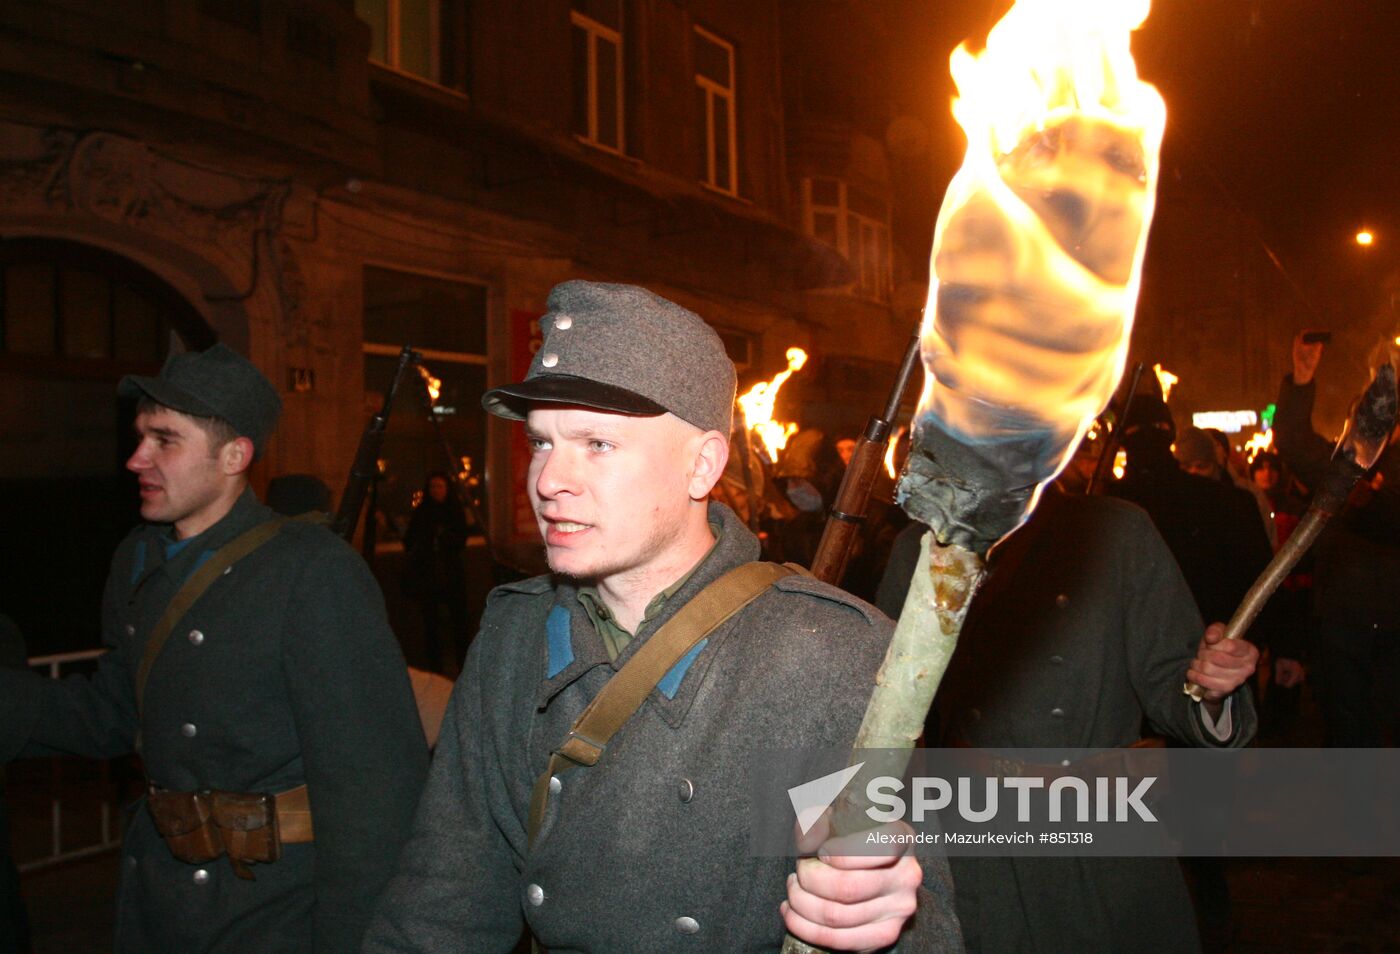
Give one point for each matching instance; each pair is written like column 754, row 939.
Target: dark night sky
column 1290, row 108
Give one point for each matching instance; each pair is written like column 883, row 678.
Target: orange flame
column 1040, row 241
column 1166, row 379
column 757, row 406
column 890, row 449
column 434, row 385
column 1256, row 445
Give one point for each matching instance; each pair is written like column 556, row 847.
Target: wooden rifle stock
column 848, row 513
column 365, row 468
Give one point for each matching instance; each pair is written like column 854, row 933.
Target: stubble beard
column 610, row 565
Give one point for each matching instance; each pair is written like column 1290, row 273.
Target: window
column 425, row 38
column 445, row 321
column 598, row 79
column 856, row 224
column 714, row 87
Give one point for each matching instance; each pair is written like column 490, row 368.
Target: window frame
column 731, row 95
column 882, row 265
column 596, row 32
column 393, row 36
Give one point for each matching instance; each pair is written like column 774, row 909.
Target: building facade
column 318, row 183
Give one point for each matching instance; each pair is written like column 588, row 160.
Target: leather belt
column 250, row 828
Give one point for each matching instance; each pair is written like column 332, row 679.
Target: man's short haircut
column 218, row 430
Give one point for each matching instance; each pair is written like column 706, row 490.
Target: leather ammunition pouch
column 250, row 828
column 183, row 819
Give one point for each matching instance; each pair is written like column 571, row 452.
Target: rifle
column 1115, row 436
column 848, row 512
column 365, row 468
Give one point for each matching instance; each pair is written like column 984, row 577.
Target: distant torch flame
column 1258, row 444
column 1039, row 245
column 434, row 385
column 1166, row 379
column 757, row 406
column 890, row 448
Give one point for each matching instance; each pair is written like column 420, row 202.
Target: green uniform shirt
column 615, row 638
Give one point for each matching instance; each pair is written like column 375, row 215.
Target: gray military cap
column 622, row 348
column 218, row 382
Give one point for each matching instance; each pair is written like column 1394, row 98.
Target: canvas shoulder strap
column 199, row 581
column 625, row 692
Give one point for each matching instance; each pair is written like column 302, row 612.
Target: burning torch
column 756, row 407
column 1037, row 260
column 1360, row 446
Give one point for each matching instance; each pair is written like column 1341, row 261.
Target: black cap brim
column 514, row 401
column 163, row 392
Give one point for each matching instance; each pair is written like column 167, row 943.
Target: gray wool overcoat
column 284, row 672
column 1082, row 630
column 648, row 851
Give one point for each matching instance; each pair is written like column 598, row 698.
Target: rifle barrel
column 848, row 513
column 365, row 467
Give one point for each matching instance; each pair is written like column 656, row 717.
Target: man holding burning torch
column 1358, row 561
column 1083, row 629
column 599, row 817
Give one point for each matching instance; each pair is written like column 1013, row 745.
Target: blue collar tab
column 560, row 641
column 670, row 683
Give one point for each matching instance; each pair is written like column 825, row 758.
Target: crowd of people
column 589, row 786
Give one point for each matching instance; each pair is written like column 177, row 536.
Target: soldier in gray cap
column 251, row 664
column 590, row 783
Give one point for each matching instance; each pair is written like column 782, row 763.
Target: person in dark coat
column 1357, row 563
column 1083, row 629
column 628, row 406
column 275, row 723
column 434, row 575
column 1213, row 529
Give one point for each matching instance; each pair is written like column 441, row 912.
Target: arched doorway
column 73, row 319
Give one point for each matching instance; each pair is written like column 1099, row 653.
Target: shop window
column 445, row 321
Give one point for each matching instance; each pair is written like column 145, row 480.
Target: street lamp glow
column 1364, row 237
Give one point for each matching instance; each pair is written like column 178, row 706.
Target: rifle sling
column 625, row 692
column 199, row 581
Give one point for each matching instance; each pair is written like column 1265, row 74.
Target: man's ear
column 711, row 454
column 236, row 456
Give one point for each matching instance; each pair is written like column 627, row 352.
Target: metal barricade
column 95, row 781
